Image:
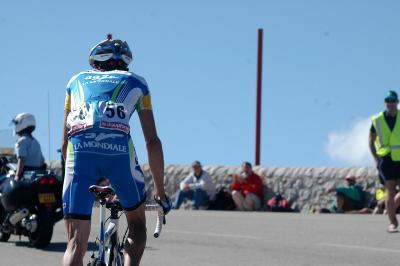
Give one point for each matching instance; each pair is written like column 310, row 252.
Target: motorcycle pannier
column 17, row 195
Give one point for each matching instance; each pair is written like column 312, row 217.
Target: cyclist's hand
column 165, row 203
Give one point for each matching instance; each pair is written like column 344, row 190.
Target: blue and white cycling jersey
column 104, row 100
column 99, row 145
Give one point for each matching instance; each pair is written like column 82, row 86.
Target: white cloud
column 350, row 146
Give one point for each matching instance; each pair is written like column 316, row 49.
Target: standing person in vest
column 384, row 143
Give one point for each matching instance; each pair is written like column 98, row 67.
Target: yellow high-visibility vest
column 387, row 141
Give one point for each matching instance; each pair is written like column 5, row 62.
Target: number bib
column 113, row 116
column 108, row 115
column 80, row 119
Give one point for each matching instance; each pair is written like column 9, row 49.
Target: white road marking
column 359, row 247
column 214, row 234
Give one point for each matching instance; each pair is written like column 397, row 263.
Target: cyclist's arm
column 64, row 141
column 154, row 150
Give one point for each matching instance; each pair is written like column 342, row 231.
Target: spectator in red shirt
column 247, row 189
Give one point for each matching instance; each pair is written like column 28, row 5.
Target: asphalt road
column 238, row 238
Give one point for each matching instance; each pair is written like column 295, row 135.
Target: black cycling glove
column 166, row 204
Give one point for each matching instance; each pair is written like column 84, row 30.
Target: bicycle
column 110, row 249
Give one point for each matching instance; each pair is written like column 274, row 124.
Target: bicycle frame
column 101, row 235
column 105, row 235
column 109, row 248
column 109, row 245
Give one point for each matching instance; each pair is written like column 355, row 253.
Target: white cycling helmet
column 23, row 121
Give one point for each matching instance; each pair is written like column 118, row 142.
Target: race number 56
column 113, row 109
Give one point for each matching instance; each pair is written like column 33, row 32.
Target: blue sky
column 327, row 66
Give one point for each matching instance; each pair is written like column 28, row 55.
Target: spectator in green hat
column 349, row 197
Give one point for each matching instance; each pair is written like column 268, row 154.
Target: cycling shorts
column 93, row 156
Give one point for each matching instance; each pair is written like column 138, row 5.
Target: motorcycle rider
column 27, row 148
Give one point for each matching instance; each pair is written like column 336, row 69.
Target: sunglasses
column 390, row 101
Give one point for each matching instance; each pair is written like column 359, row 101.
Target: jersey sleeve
column 67, row 105
column 143, row 103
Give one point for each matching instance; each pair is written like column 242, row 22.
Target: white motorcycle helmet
column 23, row 121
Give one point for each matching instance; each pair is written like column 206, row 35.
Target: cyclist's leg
column 127, row 179
column 136, row 239
column 77, row 237
column 77, row 204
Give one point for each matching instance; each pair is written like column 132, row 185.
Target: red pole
column 259, row 87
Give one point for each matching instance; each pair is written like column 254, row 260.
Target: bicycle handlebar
column 160, row 218
column 102, row 192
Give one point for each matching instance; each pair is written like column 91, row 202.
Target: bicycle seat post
column 102, row 229
column 114, row 213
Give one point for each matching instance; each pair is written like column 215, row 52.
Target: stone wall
column 304, row 187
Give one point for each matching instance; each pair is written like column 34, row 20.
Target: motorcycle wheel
column 3, row 236
column 44, row 232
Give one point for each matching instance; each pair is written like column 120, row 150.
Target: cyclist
column 97, row 143
column 27, row 148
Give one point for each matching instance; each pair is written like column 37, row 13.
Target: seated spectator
column 376, row 206
column 247, row 189
column 198, row 187
column 349, row 197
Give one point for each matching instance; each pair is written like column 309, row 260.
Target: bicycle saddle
column 102, row 192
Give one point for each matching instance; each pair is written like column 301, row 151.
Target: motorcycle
column 29, row 207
